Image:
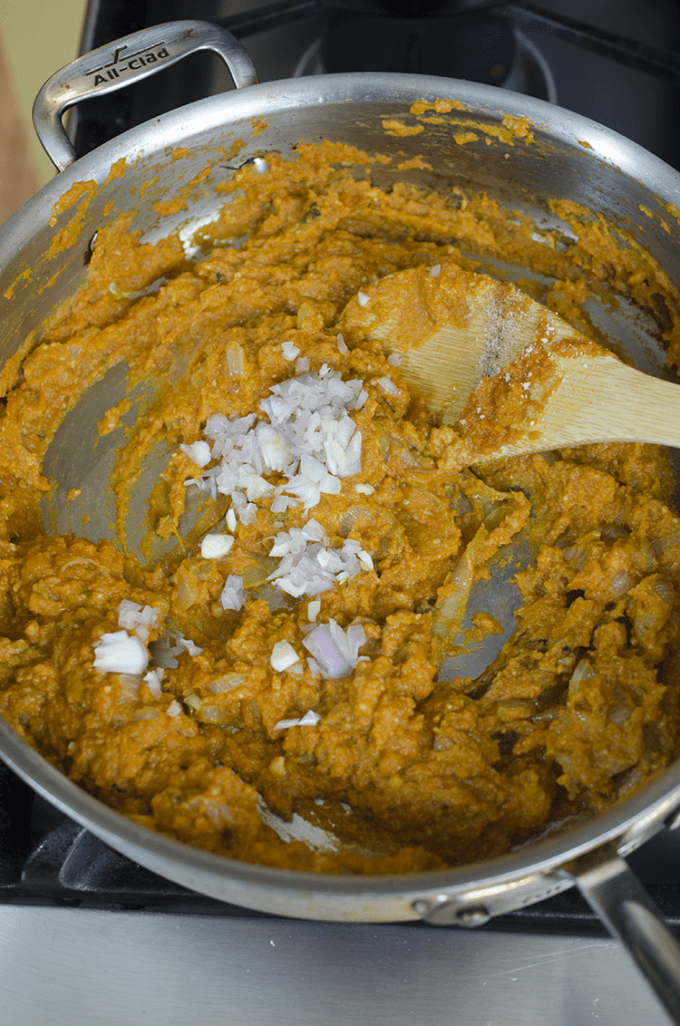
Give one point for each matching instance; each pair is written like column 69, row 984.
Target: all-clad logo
column 123, row 62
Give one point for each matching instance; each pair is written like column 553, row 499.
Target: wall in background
column 39, row 37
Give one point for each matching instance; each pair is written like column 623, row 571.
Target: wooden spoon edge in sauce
column 512, row 375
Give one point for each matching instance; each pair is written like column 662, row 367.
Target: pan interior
column 82, row 460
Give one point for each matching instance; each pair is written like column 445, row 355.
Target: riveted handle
column 123, row 62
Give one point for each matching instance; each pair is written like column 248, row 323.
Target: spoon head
column 451, row 328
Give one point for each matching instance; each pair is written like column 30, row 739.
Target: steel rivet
column 473, row 916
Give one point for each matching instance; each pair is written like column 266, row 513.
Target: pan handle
column 123, row 62
column 614, row 892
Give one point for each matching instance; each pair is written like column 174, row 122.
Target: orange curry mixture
column 410, row 772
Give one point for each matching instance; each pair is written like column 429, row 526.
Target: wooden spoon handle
column 602, row 400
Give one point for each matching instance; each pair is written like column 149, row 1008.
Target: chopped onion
column 214, row 546
column 129, row 686
column 132, row 617
column 310, row 719
column 153, row 679
column 387, row 385
column 185, row 595
column 226, row 683
column 189, row 645
column 582, row 671
column 621, row 584
column 233, row 595
column 198, row 453
column 365, row 560
column 147, row 712
column 235, row 360
column 335, row 651
column 309, row 565
column 308, row 436
column 174, row 709
column 118, row 652
column 289, row 350
column 283, row 655
column 664, row 590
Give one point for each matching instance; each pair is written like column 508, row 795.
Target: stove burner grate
column 527, row 70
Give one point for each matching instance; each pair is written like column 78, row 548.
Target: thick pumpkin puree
column 580, row 706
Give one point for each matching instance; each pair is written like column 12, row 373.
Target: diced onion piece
column 119, row 652
column 233, row 594
column 283, row 655
column 198, row 452
column 235, row 360
column 310, row 719
column 214, row 546
column 363, row 298
column 289, row 350
column 129, row 686
column 132, row 617
column 365, row 560
column 582, row 671
column 664, row 590
column 336, row 651
column 189, row 645
column 309, row 566
column 621, row 584
column 153, row 679
column 174, row 709
column 387, row 385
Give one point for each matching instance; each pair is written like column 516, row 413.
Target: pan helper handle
column 615, row 893
column 122, row 63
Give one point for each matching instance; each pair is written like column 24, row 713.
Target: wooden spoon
column 514, row 376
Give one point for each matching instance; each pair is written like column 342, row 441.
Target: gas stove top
column 88, row 937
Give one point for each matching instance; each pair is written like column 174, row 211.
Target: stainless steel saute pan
column 572, row 158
